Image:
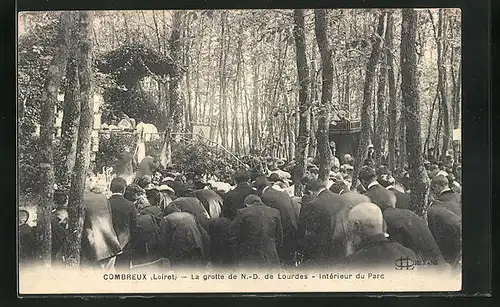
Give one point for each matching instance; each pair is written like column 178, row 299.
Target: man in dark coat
column 446, row 197
column 280, row 201
column 402, row 198
column 144, row 244
column 58, row 225
column 222, row 242
column 233, row 200
column 257, row 229
column 399, row 189
column 27, row 240
column 184, row 241
column 210, row 200
column 190, row 205
column 371, row 248
column 379, row 195
column 410, row 230
column 124, row 216
column 446, row 228
column 319, row 243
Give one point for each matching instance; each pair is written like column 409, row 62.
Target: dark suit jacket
column 451, row 206
column 289, row 221
column 259, row 234
column 223, row 245
column 124, row 217
column 183, row 240
column 446, row 227
column 320, row 242
column 59, row 238
column 451, row 201
column 151, row 210
column 450, row 196
column 190, row 205
column 410, row 230
column 233, row 200
column 379, row 195
column 378, row 252
column 402, row 199
column 210, row 200
column 144, row 243
column 27, row 243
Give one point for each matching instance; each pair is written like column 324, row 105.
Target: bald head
column 440, row 181
column 367, row 219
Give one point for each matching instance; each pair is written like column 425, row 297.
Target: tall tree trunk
column 248, row 118
column 79, row 175
column 174, row 107
column 442, row 50
column 366, row 109
column 237, row 89
column 402, row 140
column 314, row 97
column 379, row 140
column 255, row 103
column 47, row 118
column 208, row 95
column 393, row 111
column 222, row 75
column 127, row 30
column 290, row 129
column 197, row 112
column 431, row 115
column 458, row 96
column 324, row 153
column 71, row 117
column 439, row 124
column 419, row 182
column 187, row 65
column 304, row 102
column 158, row 38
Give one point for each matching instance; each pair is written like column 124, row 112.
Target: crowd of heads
column 165, row 191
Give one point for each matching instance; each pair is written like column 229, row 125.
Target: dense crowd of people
column 163, row 218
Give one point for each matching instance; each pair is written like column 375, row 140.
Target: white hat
column 166, row 188
column 442, row 173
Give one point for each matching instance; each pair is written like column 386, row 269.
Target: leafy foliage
column 130, row 63
column 127, row 65
column 202, row 158
column 35, row 51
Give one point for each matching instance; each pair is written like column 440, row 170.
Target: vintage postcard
column 239, row 151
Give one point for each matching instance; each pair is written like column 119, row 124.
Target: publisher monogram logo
column 404, row 263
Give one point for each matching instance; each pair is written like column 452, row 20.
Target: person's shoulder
column 271, row 210
column 403, row 250
column 440, row 213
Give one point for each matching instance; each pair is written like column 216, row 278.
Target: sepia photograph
column 239, row 151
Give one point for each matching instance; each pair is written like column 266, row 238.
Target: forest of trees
column 267, row 82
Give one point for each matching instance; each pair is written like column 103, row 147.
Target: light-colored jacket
column 99, row 240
